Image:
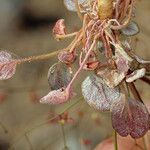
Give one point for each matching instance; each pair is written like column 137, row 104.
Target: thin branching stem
column 3, row 127
column 40, row 57
column 28, row 141
column 64, row 135
column 46, row 122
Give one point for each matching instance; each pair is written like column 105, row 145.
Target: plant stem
column 40, row 57
column 28, row 141
column 146, row 80
column 39, row 125
column 64, row 135
column 115, row 141
column 3, row 127
column 82, row 64
column 144, row 143
column 135, row 92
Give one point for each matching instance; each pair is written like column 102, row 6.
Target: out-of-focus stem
column 115, row 141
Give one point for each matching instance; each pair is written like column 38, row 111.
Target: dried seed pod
column 59, row 28
column 97, row 94
column 67, row 57
column 105, row 9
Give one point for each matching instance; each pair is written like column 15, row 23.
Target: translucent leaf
column 130, row 117
column 59, row 76
column 55, row 97
column 70, row 4
column 131, row 29
column 7, row 66
column 98, row 94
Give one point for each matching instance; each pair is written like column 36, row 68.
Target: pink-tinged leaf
column 97, row 94
column 7, row 66
column 55, row 97
column 59, row 76
column 130, row 117
column 59, row 28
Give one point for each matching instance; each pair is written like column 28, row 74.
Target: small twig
column 39, row 125
column 40, row 57
column 3, row 127
column 146, row 80
column 115, row 141
column 64, row 135
column 135, row 92
column 82, row 64
column 144, row 143
column 28, row 141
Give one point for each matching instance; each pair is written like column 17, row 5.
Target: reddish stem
column 82, row 64
column 146, row 80
column 135, row 92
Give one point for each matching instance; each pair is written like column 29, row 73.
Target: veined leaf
column 98, row 94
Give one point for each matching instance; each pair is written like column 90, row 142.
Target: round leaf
column 98, row 94
column 130, row 117
column 59, row 76
column 7, row 66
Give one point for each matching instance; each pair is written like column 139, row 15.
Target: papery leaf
column 98, row 94
column 136, row 75
column 70, row 4
column 131, row 29
column 7, row 65
column 55, row 97
column 59, row 76
column 113, row 75
column 130, row 117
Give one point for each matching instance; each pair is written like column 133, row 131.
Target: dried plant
column 102, row 47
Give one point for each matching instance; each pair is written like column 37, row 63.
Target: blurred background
column 26, row 30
